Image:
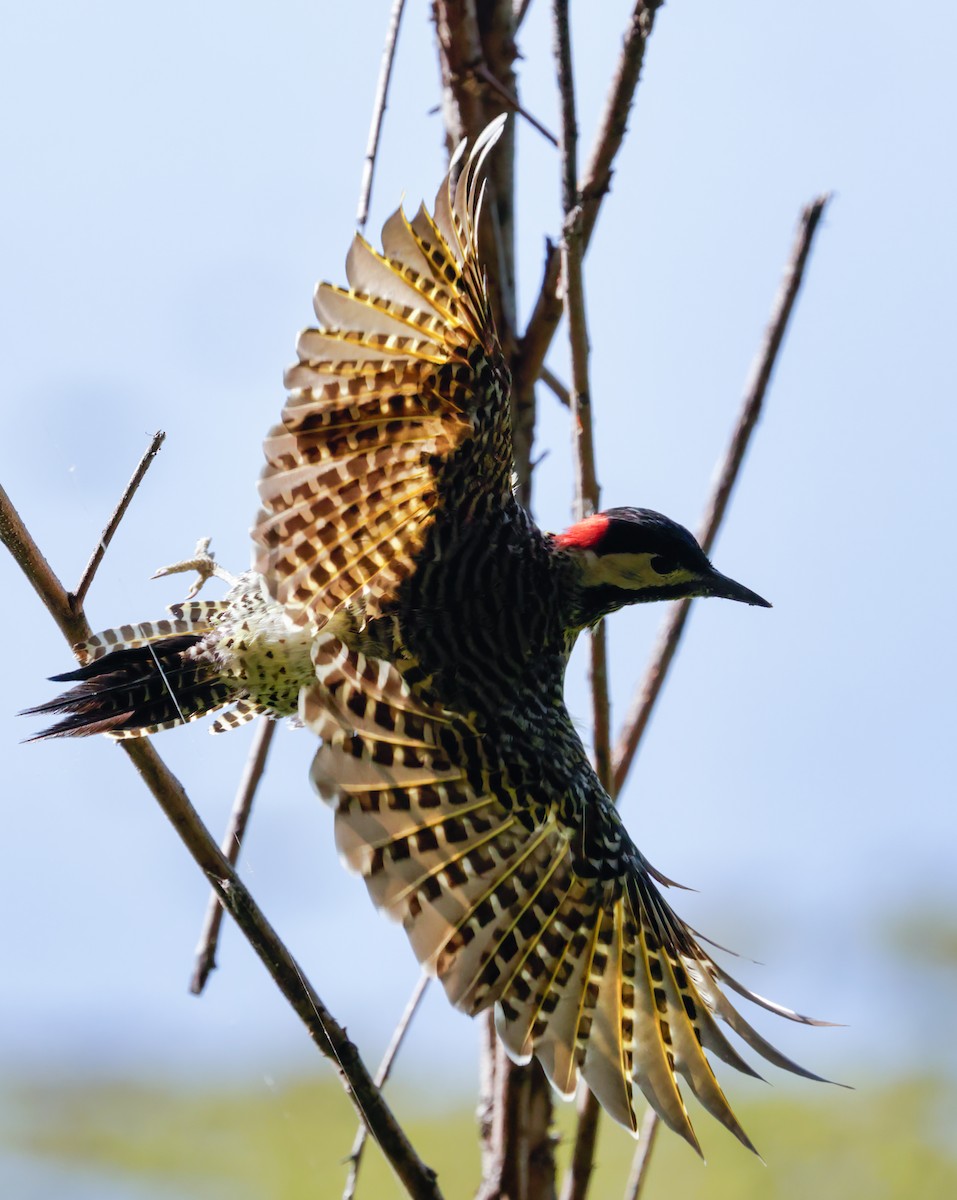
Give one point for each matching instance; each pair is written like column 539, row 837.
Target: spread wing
column 591, row 972
column 398, row 403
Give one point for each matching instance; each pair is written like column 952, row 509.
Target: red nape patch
column 585, row 535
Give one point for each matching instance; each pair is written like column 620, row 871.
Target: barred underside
column 388, row 390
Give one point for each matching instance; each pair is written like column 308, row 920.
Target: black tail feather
column 137, row 690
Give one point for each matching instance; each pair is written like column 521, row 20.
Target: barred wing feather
column 598, row 979
column 398, row 398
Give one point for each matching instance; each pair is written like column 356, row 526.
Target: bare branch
column 482, row 72
column 587, row 499
column 594, row 186
column 230, row 846
column 588, row 496
column 111, row 526
column 644, row 699
column 636, row 722
column 381, row 1076
column 518, row 1158
column 14, row 535
column 475, row 45
column 378, row 111
column 555, row 385
column 331, row 1039
column 520, row 9
column 516, row 1145
column 646, row 1143
column 460, row 49
column 578, row 1175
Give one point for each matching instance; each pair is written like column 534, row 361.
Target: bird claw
column 203, row 563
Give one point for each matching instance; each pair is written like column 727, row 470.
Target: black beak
column 727, row 589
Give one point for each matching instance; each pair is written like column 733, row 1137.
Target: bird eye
column 663, row 566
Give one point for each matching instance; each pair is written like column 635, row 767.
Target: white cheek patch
column 620, row 570
column 632, row 572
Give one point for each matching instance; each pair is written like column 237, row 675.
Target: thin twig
column 111, row 526
column 639, row 1166
column 520, row 9
column 381, row 1076
column 555, row 385
column 378, row 112
column 646, row 695
column 328, row 1035
column 593, row 185
column 482, row 72
column 587, row 493
column 587, row 499
column 758, row 379
column 230, row 846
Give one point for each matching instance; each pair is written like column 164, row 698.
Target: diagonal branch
column 760, row 375
column 113, row 524
column 231, row 845
column 381, row 1077
column 576, row 1183
column 378, row 112
column 645, row 697
column 593, row 186
column 331, row 1039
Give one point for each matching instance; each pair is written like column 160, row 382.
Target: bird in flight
column 407, row 609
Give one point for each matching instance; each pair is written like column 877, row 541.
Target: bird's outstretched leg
column 203, row 563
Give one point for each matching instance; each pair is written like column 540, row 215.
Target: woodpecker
column 407, row 609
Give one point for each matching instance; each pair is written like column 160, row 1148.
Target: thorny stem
column 331, row 1039
column 230, row 846
column 378, row 112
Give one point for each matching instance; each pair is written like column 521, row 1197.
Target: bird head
column 632, row 555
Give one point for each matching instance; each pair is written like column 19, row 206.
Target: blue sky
column 174, row 184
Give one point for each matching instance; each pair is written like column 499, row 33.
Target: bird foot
column 203, row 563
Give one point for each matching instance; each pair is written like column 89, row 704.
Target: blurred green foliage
column 290, row 1142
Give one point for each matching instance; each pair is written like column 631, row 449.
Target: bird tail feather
column 140, row 679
